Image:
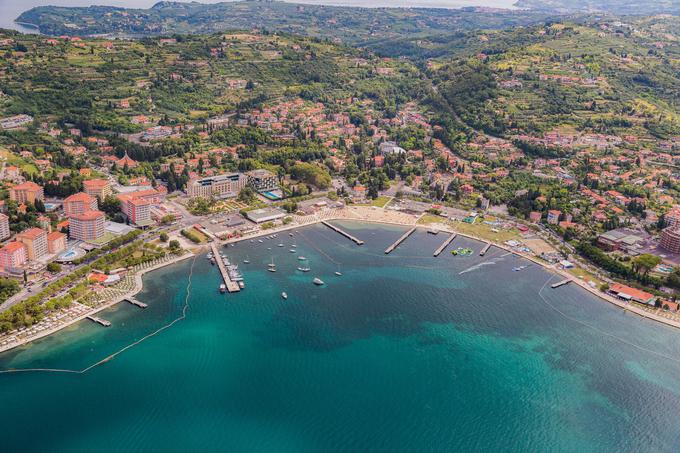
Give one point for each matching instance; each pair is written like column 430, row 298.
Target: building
column 126, row 161
column 13, row 122
column 554, row 216
column 619, row 239
column 627, row 293
column 27, row 192
column 220, row 186
column 262, row 180
column 35, row 240
column 88, row 226
column 390, row 148
column 13, row 255
column 670, row 239
column 4, row 227
column 265, row 214
column 139, row 211
column 99, row 188
column 79, row 203
column 535, row 216
column 56, row 242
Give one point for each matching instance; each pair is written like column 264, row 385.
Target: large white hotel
column 220, row 186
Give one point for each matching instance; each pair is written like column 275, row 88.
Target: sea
column 401, row 353
column 11, row 9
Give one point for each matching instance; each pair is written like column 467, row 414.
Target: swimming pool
column 271, row 195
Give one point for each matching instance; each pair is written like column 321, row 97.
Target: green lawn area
column 104, row 239
column 380, row 201
column 431, row 218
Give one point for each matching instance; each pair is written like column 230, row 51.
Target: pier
column 562, row 283
column 399, row 241
column 444, row 245
column 485, row 249
column 134, row 301
column 101, row 321
column 232, row 286
column 344, row 233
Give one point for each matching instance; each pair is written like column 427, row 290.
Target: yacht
column 338, row 273
column 301, row 258
column 280, row 245
column 241, row 284
column 284, row 296
column 223, row 288
column 260, row 241
column 304, row 269
column 317, row 281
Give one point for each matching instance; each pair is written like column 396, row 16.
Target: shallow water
column 400, row 353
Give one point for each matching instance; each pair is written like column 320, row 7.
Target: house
column 554, row 216
column 627, row 293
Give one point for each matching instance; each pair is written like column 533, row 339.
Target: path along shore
column 83, row 313
column 358, row 214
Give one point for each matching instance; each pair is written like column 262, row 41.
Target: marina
column 100, row 321
column 232, row 286
column 344, row 233
column 560, row 283
column 399, row 241
column 445, row 244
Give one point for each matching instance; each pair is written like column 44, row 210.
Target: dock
column 444, row 245
column 134, row 301
column 485, row 249
column 399, row 241
column 232, row 286
column 344, row 233
column 562, row 283
column 101, row 321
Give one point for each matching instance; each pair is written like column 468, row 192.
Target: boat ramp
column 232, row 286
column 444, row 245
column 344, row 233
column 399, row 241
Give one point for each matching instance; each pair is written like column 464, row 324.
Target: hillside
column 105, row 85
column 349, row 24
column 624, row 7
column 606, row 76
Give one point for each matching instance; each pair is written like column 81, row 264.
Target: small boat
column 251, row 241
column 241, row 284
column 317, row 281
column 260, row 241
column 304, row 269
column 290, row 234
column 292, row 250
column 212, row 261
column 435, row 232
column 246, row 261
column 301, row 258
column 223, row 288
column 272, row 269
column 284, row 296
column 209, row 256
column 280, row 245
column 339, row 274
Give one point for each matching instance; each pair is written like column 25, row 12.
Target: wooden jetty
column 562, row 283
column 485, row 249
column 344, row 233
column 232, row 286
column 399, row 241
column 444, row 245
column 101, row 321
column 134, row 301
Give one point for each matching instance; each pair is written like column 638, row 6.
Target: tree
column 247, row 195
column 164, row 236
column 53, row 267
column 174, row 245
column 644, row 263
column 110, row 205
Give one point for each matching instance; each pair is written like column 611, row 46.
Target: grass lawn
column 484, row 231
column 431, row 218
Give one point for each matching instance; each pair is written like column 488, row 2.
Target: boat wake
column 480, row 265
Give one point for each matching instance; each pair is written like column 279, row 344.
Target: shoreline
column 343, row 216
column 139, row 285
column 446, row 228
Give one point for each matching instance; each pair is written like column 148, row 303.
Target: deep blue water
column 400, row 353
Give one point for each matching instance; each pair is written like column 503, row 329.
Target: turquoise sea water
column 401, row 353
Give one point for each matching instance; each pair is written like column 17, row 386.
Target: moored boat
column 317, row 281
column 284, row 296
